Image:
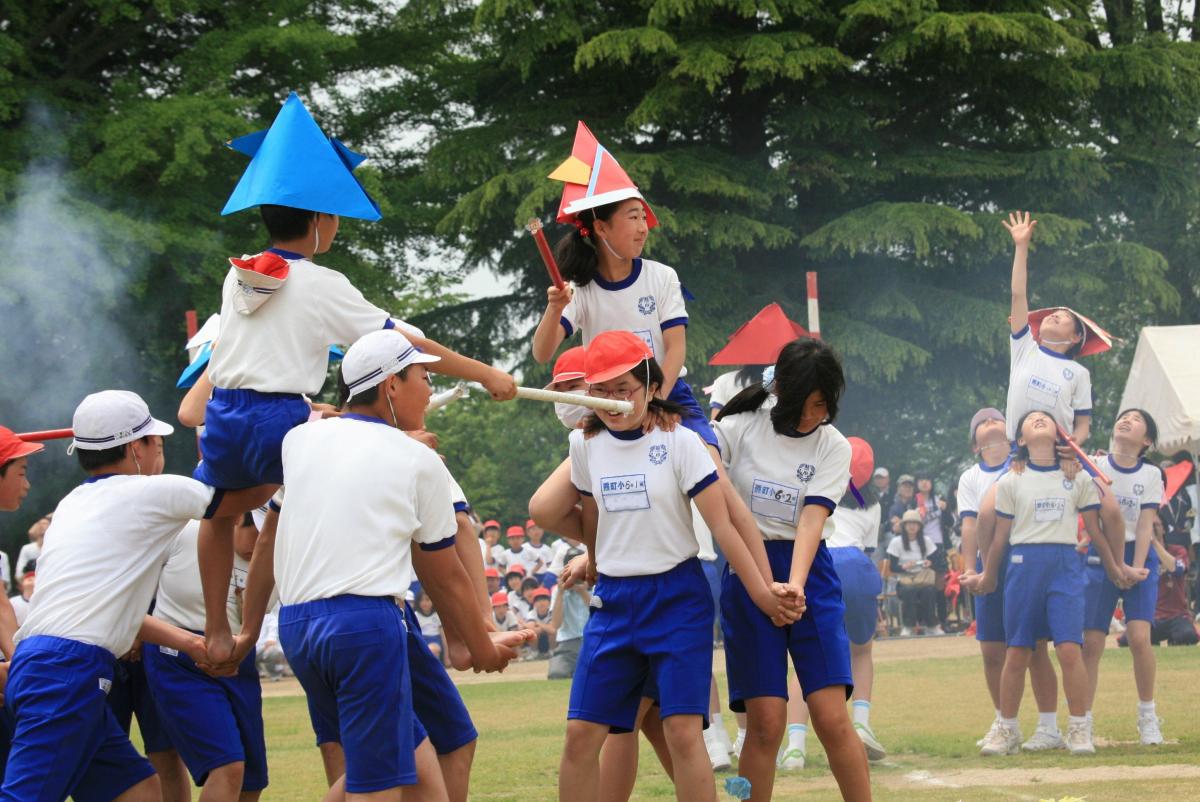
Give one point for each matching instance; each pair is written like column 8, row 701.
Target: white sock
column 1080, row 721
column 1088, row 716
column 998, row 716
column 797, row 734
column 714, row 720
column 1048, row 721
column 741, row 736
column 1146, row 708
column 861, row 710
column 1009, row 722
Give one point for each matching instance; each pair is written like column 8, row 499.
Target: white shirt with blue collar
column 1045, row 380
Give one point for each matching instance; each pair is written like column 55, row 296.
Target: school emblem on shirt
column 1068, row 484
column 646, row 305
column 658, row 455
column 1139, row 489
column 1068, row 374
column 805, row 472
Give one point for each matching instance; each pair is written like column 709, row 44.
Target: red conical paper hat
column 760, row 339
column 1095, row 339
column 593, row 178
column 1177, row 474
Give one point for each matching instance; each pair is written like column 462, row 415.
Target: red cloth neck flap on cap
column 266, row 263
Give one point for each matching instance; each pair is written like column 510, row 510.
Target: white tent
column 1164, row 380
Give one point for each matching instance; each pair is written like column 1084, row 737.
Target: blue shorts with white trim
column 694, row 418
column 658, row 625
column 242, row 444
column 989, row 608
column 1138, row 602
column 756, row 651
column 350, row 654
column 437, row 704
column 130, row 696
column 66, row 742
column 861, row 586
column 1044, row 595
column 214, row 720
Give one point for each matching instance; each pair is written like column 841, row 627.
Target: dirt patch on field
column 1043, row 776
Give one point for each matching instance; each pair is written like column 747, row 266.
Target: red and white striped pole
column 814, row 315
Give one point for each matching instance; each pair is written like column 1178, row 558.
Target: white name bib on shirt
column 624, row 493
column 1049, row 509
column 1130, row 506
column 774, row 500
column 1042, row 394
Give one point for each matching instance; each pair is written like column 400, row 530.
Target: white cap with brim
column 378, row 355
column 113, row 418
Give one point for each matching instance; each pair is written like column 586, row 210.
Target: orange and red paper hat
column 1095, row 339
column 593, row 178
column 760, row 339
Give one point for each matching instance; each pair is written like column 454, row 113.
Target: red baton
column 1083, row 458
column 51, row 434
column 539, row 236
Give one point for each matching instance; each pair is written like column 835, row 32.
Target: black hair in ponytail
column 648, row 369
column 805, row 365
column 576, row 252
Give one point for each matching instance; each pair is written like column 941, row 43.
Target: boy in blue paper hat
column 280, row 312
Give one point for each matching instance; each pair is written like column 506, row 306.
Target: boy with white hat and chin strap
column 96, row 578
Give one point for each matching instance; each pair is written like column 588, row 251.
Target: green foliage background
column 877, row 142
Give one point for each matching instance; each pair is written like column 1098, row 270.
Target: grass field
column 930, row 706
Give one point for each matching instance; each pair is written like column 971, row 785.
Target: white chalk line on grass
column 1054, row 775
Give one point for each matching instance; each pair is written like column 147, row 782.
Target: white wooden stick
column 606, row 404
column 445, row 397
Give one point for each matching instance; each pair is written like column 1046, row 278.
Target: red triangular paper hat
column 592, row 178
column 1176, row 475
column 760, row 339
column 1096, row 340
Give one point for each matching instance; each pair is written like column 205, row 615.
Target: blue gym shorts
column 989, row 608
column 1044, row 595
column 1138, row 602
column 350, row 654
column 214, row 720
column 756, row 650
column 243, row 437
column 436, row 701
column 66, row 742
column 694, row 418
column 130, row 696
column 861, row 586
column 657, row 626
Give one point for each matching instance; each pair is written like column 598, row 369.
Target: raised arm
column 1020, row 226
column 501, row 385
column 550, row 334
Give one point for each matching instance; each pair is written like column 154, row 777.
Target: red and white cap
column 113, row 418
column 499, row 598
column 568, row 366
column 376, row 356
column 13, row 447
column 862, row 461
column 612, row 353
column 593, row 178
column 515, row 531
column 258, row 278
column 1095, row 339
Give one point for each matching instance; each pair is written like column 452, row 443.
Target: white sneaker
column 717, row 754
column 935, row 630
column 1044, row 739
column 790, row 759
column 1150, row 730
column 1079, row 740
column 1001, row 740
column 875, row 750
column 905, row 632
column 995, row 724
column 723, row 739
column 737, row 744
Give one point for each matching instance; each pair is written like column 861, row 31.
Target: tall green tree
column 876, row 142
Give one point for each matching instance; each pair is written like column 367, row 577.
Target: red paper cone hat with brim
column 760, row 339
column 593, row 178
column 1177, row 474
column 1095, row 339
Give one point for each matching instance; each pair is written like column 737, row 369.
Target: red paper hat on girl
column 862, row 461
column 759, row 340
column 1095, row 339
column 593, row 178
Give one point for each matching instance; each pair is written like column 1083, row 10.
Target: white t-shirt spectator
column 648, row 301
column 350, row 475
column 544, row 553
column 103, row 555
column 527, row 558
column 642, row 484
column 518, row 606
column 1043, row 504
column 906, row 551
column 778, row 475
column 1045, row 380
column 269, row 633
column 508, row 623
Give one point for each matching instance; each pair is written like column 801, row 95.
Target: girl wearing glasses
column 652, row 610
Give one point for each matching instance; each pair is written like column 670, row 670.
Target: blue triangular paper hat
column 293, row 163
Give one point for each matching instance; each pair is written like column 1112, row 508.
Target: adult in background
column 904, row 500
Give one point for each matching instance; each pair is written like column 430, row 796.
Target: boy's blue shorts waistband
column 53, row 643
column 249, row 396
column 336, row 605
